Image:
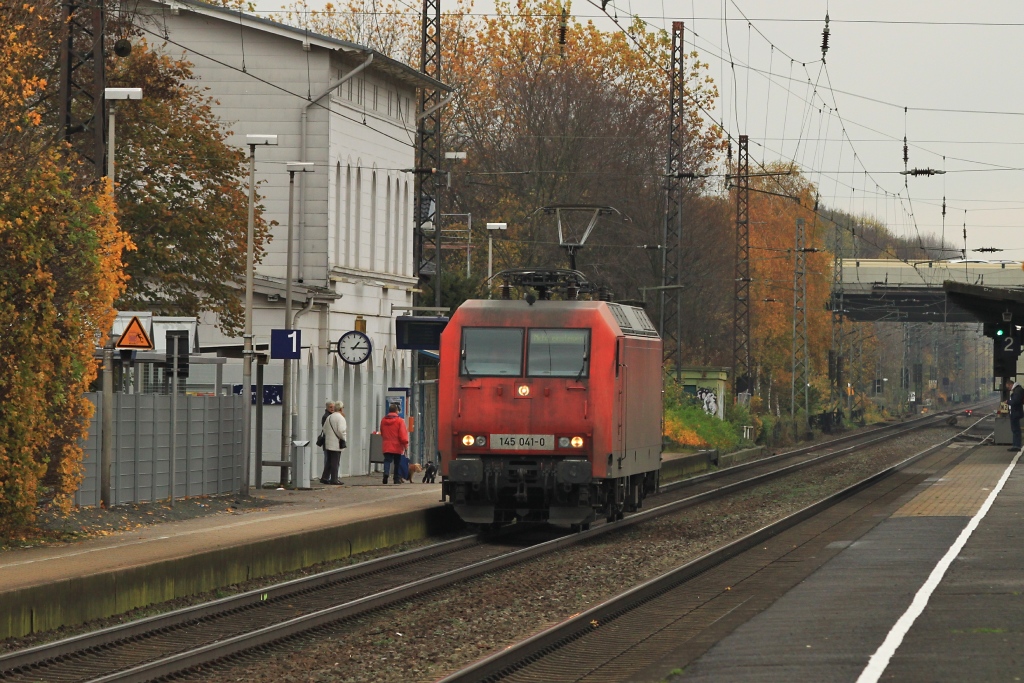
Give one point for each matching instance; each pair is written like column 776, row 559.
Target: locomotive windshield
column 492, row 351
column 559, row 353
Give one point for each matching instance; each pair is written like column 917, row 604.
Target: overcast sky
column 955, row 66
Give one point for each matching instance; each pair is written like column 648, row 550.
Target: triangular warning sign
column 134, row 337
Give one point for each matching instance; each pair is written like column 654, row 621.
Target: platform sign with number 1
column 286, row 344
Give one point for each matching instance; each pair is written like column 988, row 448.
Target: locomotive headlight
column 469, row 440
column 481, row 441
column 577, row 442
column 563, row 442
column 523, row 390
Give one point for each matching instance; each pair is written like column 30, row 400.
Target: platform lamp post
column 111, row 95
column 292, row 167
column 253, row 141
column 107, row 424
column 491, row 227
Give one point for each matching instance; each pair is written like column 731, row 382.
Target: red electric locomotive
column 548, row 410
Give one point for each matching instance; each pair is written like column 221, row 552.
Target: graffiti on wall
column 708, row 400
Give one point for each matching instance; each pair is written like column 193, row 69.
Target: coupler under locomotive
column 488, row 489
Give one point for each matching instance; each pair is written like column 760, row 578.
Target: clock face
column 354, row 347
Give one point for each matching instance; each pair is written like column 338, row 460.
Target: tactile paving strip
column 963, row 489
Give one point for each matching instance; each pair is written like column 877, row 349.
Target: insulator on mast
column 824, row 38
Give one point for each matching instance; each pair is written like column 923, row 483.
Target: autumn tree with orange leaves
column 546, row 122
column 59, row 276
column 772, row 242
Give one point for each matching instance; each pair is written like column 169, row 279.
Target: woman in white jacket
column 335, row 431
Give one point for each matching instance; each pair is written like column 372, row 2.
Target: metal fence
column 208, row 457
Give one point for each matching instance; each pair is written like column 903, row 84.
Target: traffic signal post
column 1006, row 349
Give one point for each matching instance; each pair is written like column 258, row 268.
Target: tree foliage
column 182, row 193
column 584, row 122
column 61, row 271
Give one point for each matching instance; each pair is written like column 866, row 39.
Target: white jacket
column 335, row 429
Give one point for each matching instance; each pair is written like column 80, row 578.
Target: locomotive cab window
column 491, row 352
column 559, row 353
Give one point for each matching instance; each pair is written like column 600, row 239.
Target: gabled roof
column 392, row 67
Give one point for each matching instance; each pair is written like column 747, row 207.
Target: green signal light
column 1000, row 332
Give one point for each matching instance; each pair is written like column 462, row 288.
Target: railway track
column 620, row 637
column 187, row 638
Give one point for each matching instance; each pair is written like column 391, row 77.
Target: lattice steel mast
column 801, row 371
column 836, row 350
column 430, row 179
column 82, row 81
column 671, row 263
column 741, row 302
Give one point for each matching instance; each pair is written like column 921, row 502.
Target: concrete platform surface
column 360, row 498
column 971, row 627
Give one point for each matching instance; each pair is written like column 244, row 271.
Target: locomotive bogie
column 548, row 412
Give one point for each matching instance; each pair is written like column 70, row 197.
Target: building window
column 357, row 232
column 406, row 218
column 337, row 215
column 389, row 244
column 373, row 221
column 348, row 216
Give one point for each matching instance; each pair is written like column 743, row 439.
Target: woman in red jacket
column 395, row 438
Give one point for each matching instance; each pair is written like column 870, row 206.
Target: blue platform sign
column 286, row 344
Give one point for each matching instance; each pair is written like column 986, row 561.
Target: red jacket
column 395, row 434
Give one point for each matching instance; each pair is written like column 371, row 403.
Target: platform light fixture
column 252, row 141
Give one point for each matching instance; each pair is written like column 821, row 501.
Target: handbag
column 342, row 444
column 320, row 440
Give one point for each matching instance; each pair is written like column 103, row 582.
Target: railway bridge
column 880, row 290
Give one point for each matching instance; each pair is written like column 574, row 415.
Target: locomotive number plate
column 523, row 442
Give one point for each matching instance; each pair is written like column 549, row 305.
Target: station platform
column 53, row 586
column 59, row 585
column 933, row 591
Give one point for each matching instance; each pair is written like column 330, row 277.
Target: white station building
column 350, row 111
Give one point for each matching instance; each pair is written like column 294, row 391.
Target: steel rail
column 281, row 631
column 94, row 639
column 891, row 430
column 516, row 656
column 38, row 655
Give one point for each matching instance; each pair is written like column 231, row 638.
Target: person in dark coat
column 325, row 477
column 395, row 439
column 1016, row 403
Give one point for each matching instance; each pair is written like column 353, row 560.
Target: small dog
column 429, row 473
